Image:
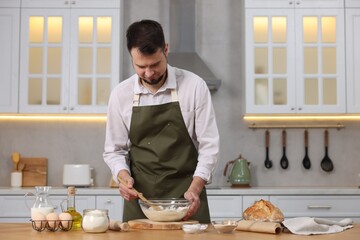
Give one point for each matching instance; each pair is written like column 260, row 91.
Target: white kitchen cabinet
column 71, row 4
column 114, row 204
column 352, row 3
column 294, row 3
column 69, row 57
column 225, row 207
column 9, row 57
column 14, row 209
column 353, row 57
column 295, row 61
column 332, row 207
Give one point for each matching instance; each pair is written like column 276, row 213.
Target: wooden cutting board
column 148, row 224
column 35, row 172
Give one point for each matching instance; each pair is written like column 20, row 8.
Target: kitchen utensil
column 141, row 196
column 148, row 224
column 326, row 164
column 170, row 210
column 225, row 226
column 284, row 162
column 42, row 202
column 306, row 161
column 16, row 159
column 240, row 172
column 34, row 172
column 268, row 162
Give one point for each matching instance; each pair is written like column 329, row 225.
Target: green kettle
column 240, row 173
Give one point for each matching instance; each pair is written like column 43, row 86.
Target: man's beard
column 155, row 81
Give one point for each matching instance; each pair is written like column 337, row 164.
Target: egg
column 53, row 220
column 39, row 220
column 65, row 219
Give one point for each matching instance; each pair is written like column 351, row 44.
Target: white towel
column 309, row 226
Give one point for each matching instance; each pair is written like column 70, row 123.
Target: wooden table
column 24, row 231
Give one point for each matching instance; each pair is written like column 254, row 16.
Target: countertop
column 211, row 191
column 16, row 231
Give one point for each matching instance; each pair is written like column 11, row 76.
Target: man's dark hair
column 147, row 35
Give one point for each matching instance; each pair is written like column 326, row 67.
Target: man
column 161, row 133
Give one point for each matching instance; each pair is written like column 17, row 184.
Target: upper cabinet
column 69, row 55
column 353, row 55
column 9, row 57
column 71, row 4
column 294, row 3
column 295, row 57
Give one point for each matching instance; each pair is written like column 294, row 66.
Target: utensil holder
column 16, row 179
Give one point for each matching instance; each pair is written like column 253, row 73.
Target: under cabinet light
column 53, row 117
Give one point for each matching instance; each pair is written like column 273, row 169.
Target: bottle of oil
column 77, row 218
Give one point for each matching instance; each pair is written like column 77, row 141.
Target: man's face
column 150, row 68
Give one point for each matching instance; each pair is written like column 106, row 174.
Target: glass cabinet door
column 94, row 41
column 320, row 71
column 44, row 60
column 269, row 72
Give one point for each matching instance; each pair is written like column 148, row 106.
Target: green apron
column 163, row 157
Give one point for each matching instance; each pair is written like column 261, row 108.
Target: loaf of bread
column 263, row 210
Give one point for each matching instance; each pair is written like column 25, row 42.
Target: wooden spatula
column 141, row 196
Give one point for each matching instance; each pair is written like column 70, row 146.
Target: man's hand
column 125, row 190
column 192, row 194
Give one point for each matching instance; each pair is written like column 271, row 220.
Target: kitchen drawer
column 114, row 204
column 225, row 207
column 318, row 206
column 14, row 209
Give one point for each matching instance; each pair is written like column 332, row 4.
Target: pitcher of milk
column 42, row 202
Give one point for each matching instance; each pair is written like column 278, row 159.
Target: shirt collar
column 170, row 82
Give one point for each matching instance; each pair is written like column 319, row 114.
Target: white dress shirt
column 197, row 111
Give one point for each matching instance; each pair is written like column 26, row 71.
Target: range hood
column 182, row 42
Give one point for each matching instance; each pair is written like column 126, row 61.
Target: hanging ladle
column 284, row 162
column 326, row 164
column 268, row 162
column 306, row 161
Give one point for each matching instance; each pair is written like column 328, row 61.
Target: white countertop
column 210, row 191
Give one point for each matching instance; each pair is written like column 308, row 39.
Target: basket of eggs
column 51, row 221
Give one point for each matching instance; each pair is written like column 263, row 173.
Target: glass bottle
column 76, row 216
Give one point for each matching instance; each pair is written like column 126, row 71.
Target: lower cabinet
column 329, row 206
column 114, row 204
column 225, row 207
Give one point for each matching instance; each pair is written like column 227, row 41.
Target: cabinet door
column 44, row 62
column 270, row 65
column 320, row 61
column 294, row 3
column 318, row 206
column 94, row 59
column 9, row 58
column 353, row 59
column 10, row 3
column 352, row 3
column 70, row 4
column 225, row 207
column 114, row 204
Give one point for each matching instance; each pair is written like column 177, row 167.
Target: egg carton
column 52, row 225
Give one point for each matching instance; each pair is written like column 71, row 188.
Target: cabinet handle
column 66, row 2
column 73, row 2
column 319, row 207
column 72, row 108
column 291, row 2
column 299, row 108
column 297, row 2
column 64, row 108
column 108, row 201
column 292, row 109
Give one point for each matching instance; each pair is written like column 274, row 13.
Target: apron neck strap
column 174, row 97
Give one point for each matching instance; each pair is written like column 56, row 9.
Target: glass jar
column 95, row 220
column 42, row 204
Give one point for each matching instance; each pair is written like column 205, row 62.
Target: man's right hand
column 126, row 189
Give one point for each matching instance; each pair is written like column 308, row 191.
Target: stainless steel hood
column 182, row 42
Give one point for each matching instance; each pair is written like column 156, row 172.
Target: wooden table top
column 20, row 231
